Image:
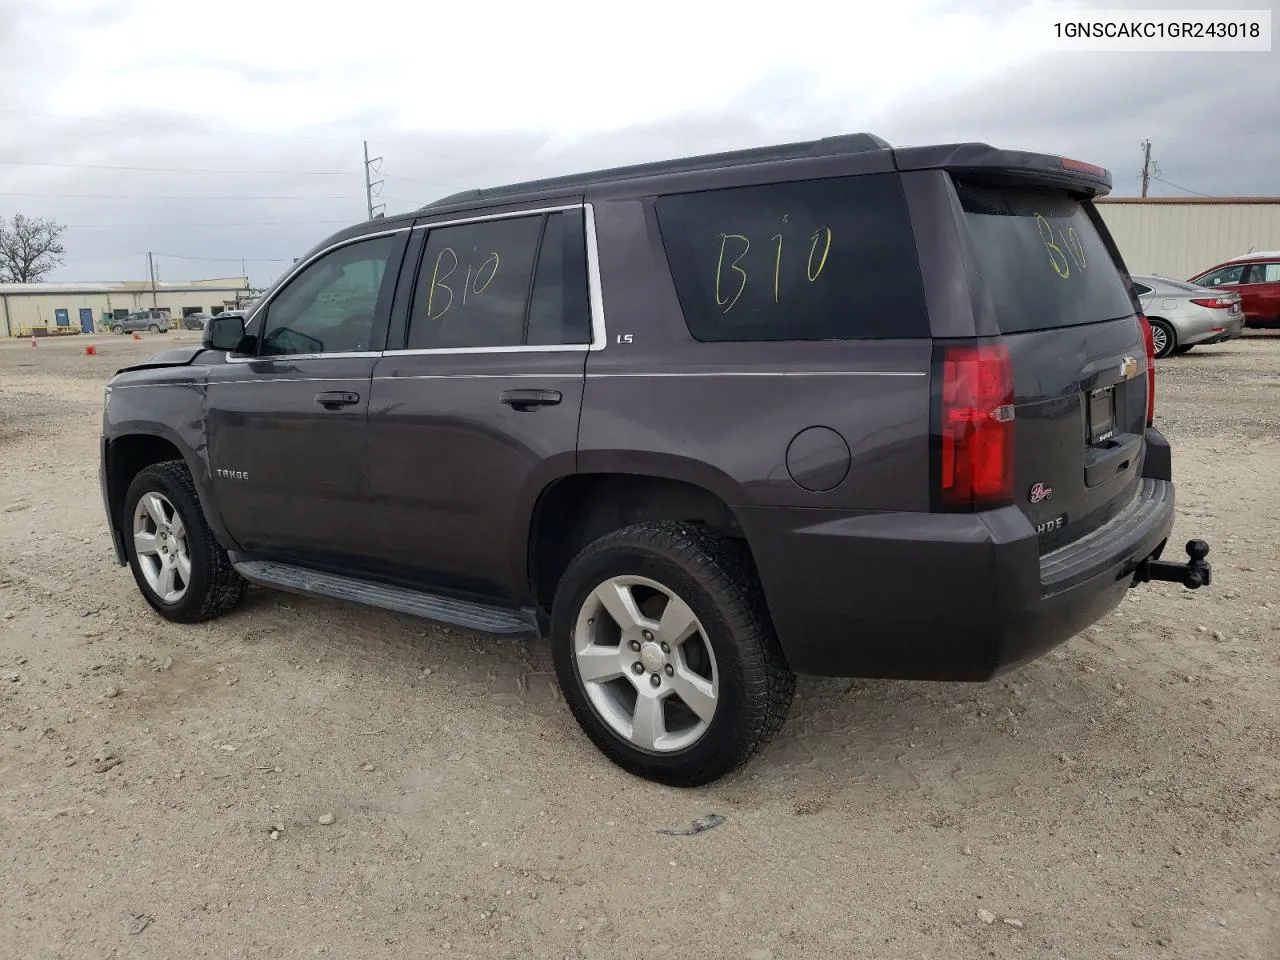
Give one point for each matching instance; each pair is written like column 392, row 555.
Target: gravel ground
column 303, row 778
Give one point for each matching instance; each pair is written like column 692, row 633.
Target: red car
column 1256, row 277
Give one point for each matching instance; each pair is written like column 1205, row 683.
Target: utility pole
column 370, row 183
column 151, row 274
column 1146, row 165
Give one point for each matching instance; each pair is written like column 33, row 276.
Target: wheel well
column 577, row 510
column 127, row 457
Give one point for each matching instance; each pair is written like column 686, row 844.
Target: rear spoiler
column 984, row 161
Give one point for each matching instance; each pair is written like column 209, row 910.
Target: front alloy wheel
column 181, row 569
column 160, row 543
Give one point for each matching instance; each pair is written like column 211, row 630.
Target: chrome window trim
column 595, row 294
column 595, row 289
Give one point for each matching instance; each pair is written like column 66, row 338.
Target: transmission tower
column 372, row 188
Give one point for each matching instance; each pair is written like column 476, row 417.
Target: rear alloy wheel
column 666, row 654
column 179, row 566
column 1163, row 339
column 153, row 329
column 118, row 331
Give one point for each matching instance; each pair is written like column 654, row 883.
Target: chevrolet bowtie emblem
column 1128, row 367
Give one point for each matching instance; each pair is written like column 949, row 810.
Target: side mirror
column 223, row 333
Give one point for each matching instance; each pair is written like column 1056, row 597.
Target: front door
column 479, row 408
column 86, row 320
column 287, row 420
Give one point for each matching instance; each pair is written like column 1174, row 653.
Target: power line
column 125, row 196
column 199, row 128
column 1182, row 188
column 183, row 226
column 111, row 166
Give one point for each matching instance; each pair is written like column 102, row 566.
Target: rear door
column 1049, row 274
column 1260, row 292
column 477, row 408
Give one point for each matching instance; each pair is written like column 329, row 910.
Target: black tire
column 153, row 329
column 717, row 579
column 1170, row 338
column 214, row 588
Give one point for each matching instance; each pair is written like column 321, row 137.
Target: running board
column 495, row 621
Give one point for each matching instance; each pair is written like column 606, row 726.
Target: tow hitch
column 1193, row 574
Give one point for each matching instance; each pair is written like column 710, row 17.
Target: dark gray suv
column 826, row 407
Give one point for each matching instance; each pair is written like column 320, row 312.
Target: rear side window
column 830, row 259
column 1042, row 260
column 503, row 283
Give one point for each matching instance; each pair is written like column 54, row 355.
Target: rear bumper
column 1230, row 329
column 944, row 596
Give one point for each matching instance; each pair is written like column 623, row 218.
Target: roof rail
column 825, row 147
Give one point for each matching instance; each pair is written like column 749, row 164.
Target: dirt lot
column 167, row 791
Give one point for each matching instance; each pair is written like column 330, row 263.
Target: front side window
column 1222, row 276
column 807, row 260
column 503, row 283
column 330, row 306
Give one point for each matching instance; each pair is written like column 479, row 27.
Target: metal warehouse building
column 1178, row 237
column 38, row 308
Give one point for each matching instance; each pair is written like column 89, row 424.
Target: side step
column 496, row 621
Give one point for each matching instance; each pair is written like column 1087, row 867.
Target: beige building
column 27, row 308
column 1178, row 237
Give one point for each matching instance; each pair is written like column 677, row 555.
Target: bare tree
column 29, row 248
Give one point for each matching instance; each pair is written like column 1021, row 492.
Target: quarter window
column 1264, row 273
column 478, row 287
column 330, row 306
column 828, row 259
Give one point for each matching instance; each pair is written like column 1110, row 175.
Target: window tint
column 329, row 307
column 809, row 260
column 1041, row 258
column 559, row 311
column 473, row 284
column 1223, row 275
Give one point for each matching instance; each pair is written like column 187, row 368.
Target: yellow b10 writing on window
column 1058, row 251
column 732, row 276
column 440, row 295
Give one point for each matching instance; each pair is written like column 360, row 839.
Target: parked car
column 826, row 407
column 195, row 321
column 153, row 321
column 1256, row 277
column 1184, row 315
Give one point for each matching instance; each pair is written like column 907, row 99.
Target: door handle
column 333, row 399
column 529, row 399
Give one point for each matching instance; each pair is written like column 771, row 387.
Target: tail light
column 1151, row 369
column 975, row 429
column 1213, row 303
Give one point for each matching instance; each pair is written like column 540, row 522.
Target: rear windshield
column 1042, row 260
column 829, row 259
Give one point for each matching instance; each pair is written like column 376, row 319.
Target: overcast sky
column 255, row 109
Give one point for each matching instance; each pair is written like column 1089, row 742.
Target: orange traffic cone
column 137, row 336
column 91, row 351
